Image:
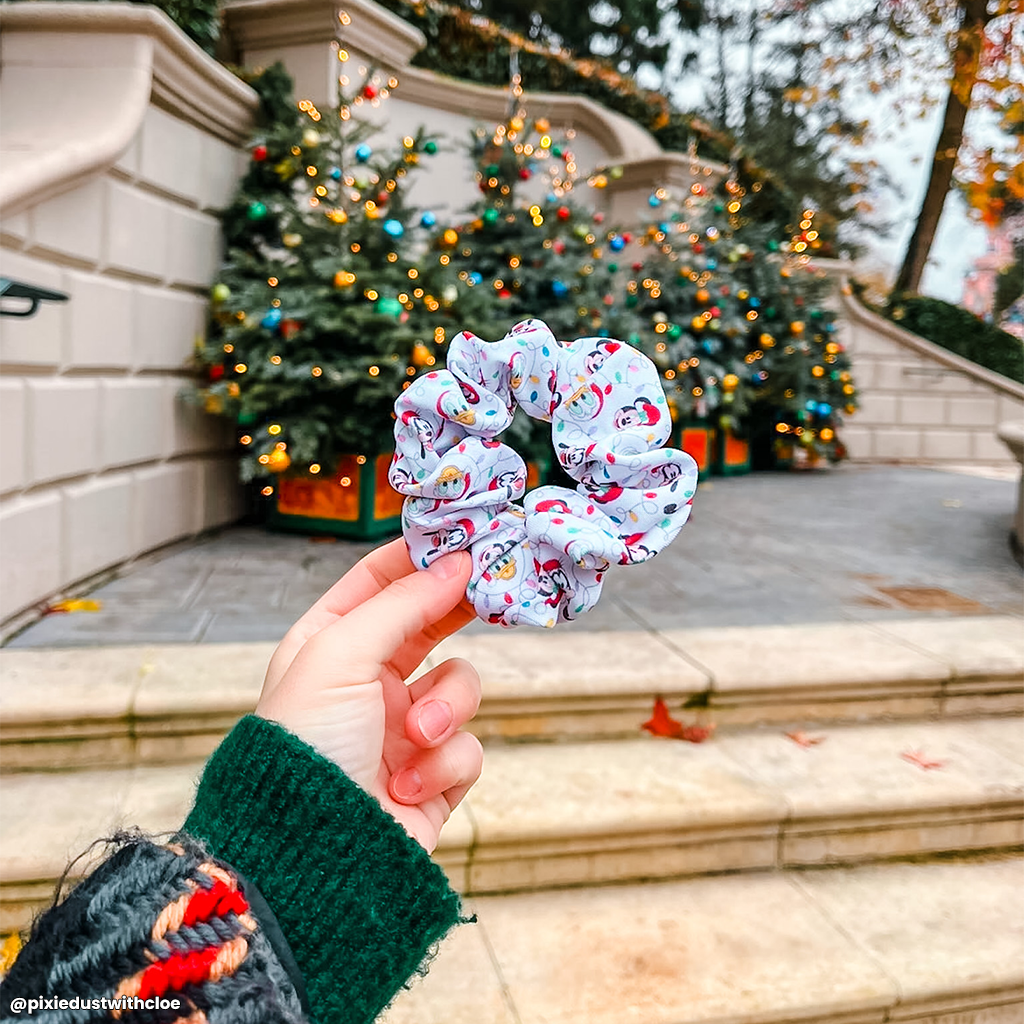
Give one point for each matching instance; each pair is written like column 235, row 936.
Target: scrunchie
column 609, row 418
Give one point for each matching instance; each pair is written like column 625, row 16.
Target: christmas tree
column 736, row 320
column 323, row 308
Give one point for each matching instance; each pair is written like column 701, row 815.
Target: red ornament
column 724, row 290
column 259, row 153
column 289, row 328
column 368, row 91
column 697, row 247
column 524, row 173
column 564, row 213
column 558, row 246
column 715, row 311
column 216, row 372
column 504, row 294
column 598, row 218
column 609, row 300
column 627, row 238
column 638, row 267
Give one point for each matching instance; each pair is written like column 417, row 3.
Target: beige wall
column 101, row 458
column 920, row 403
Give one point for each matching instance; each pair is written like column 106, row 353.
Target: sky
column 906, row 157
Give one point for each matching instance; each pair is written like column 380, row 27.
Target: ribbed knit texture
column 359, row 901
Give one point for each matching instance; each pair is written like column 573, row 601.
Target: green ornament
column 613, row 267
column 580, row 231
column 770, row 311
column 492, row 170
column 674, row 331
column 718, row 208
column 430, row 147
column 557, row 151
column 220, row 293
column 631, row 301
column 256, row 211
column 773, row 246
column 615, row 172
column 816, row 314
column 361, row 181
column 491, row 216
column 246, row 419
column 387, row 306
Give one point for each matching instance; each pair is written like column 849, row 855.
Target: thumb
column 371, row 634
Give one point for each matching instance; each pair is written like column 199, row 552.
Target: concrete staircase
column 845, row 848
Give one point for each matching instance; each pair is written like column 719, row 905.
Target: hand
column 338, row 681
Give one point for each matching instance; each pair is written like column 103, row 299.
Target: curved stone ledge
column 854, row 310
column 105, row 62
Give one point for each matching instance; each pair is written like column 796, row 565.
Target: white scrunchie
column 609, row 419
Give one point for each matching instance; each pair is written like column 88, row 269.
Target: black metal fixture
column 29, row 293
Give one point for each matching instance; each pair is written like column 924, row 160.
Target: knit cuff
column 358, row 900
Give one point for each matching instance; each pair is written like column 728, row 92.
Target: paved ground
column 786, row 549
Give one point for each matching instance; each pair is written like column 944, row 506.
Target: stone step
column 577, row 814
column 931, row 943
column 95, row 707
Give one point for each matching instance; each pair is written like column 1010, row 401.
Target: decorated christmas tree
column 527, row 239
column 326, row 304
column 736, row 319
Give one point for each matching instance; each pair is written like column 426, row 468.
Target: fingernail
column 447, row 566
column 407, row 784
column 434, row 718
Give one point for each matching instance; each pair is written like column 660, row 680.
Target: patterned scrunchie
column 608, row 414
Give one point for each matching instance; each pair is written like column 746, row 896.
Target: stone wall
column 919, row 402
column 102, row 460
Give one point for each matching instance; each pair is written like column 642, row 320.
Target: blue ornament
column 552, row 197
column 560, row 289
column 363, row 153
column 712, row 264
column 824, row 409
column 664, row 227
column 707, row 346
column 475, row 277
column 394, row 228
column 617, row 243
column 653, row 200
column 830, row 328
column 271, row 319
column 336, row 173
column 428, row 220
column 811, row 405
column 754, row 302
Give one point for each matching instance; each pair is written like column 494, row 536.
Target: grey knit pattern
column 165, row 920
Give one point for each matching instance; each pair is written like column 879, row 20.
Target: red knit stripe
column 218, row 900
column 176, row 972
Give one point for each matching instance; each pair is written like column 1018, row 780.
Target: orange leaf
column 81, row 605
column 661, row 723
column 918, row 757
column 801, row 739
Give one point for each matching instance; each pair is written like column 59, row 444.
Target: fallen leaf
column 9, row 950
column 801, row 739
column 918, row 757
column 661, row 723
column 696, row 733
column 79, row 605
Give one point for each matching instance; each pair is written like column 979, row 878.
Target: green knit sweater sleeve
column 359, row 901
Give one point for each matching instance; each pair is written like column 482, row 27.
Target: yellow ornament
column 600, row 181
column 421, row 355
column 767, row 341
column 797, row 327
column 850, row 409
column 542, row 124
column 344, row 279
column 337, row 216
column 213, row 403
column 818, row 371
column 233, row 389
column 291, row 239
column 730, row 382
column 702, row 295
column 450, row 238
column 743, row 294
column 826, row 434
column 278, row 461
column 697, row 323
column 311, row 137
